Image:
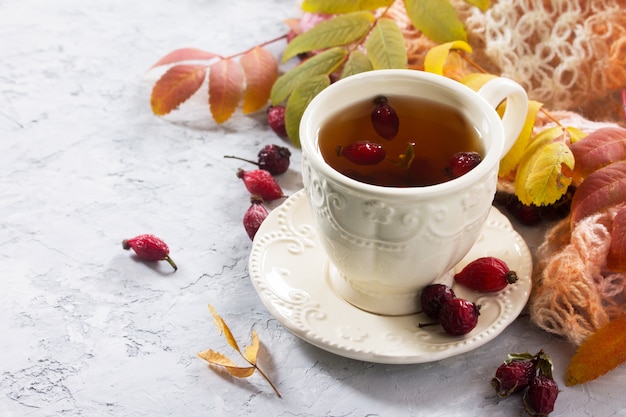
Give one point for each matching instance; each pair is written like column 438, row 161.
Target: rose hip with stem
column 260, row 182
column 432, row 298
column 272, row 158
column 254, row 216
column 149, row 248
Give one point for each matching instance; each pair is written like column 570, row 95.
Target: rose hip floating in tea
column 363, row 152
column 463, row 162
column 384, row 118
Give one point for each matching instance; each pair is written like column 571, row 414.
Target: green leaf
column 483, row 5
column 322, row 64
column 343, row 6
column 385, row 45
column 357, row 62
column 436, row 19
column 340, row 30
column 298, row 102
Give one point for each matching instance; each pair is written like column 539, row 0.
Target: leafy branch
column 250, row 356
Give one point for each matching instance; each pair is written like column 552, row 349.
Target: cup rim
column 309, row 132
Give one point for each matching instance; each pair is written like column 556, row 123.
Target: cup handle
column 494, row 92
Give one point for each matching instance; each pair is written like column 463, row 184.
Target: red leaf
column 261, row 70
column 225, row 89
column 616, row 259
column 603, row 188
column 185, row 54
column 176, row 86
column 597, row 150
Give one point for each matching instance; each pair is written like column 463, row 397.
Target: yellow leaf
column 483, row 5
column 252, row 351
column 599, row 353
column 575, row 134
column 261, row 71
column 476, row 80
column 514, row 156
column 225, row 88
column 223, row 328
column 437, row 56
column 437, row 19
column 385, row 46
column 544, row 172
column 342, row 6
column 337, row 31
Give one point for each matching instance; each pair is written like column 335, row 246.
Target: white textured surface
column 86, row 329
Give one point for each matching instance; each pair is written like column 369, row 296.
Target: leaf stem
column 269, row 381
column 262, row 44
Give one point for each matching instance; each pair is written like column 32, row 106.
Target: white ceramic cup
column 386, row 243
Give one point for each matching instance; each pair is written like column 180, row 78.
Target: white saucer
column 289, row 270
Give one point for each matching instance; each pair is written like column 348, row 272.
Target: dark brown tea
column 428, row 136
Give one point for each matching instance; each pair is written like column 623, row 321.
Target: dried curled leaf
column 599, row 353
column 225, row 88
column 602, row 189
column 544, row 172
column 436, row 19
column 616, row 258
column 385, row 46
column 597, row 150
column 261, row 71
column 222, row 361
column 437, row 56
column 342, row 6
column 338, row 31
column 175, row 87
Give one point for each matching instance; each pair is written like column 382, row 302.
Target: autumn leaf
column 436, row 19
column 599, row 353
column 616, row 258
column 226, row 79
column 483, row 5
column 298, row 102
column 321, row 64
column 175, row 87
column 342, row 6
column 338, row 31
column 357, row 63
column 261, row 71
column 185, row 54
column 385, row 45
column 598, row 149
column 437, row 56
column 220, row 360
column 544, row 172
column 602, row 189
column 513, row 157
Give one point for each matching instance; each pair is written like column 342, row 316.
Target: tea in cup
column 393, row 216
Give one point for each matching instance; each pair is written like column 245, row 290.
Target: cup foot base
column 380, row 302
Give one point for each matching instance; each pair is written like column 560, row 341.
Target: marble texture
column 89, row 330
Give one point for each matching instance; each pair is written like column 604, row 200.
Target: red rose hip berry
column 512, row 377
column 463, row 162
column 384, row 118
column 260, row 182
column 541, row 395
column 272, row 158
column 432, row 298
column 459, row 316
column 363, row 152
column 149, row 248
column 486, row 274
column 276, row 120
column 254, row 216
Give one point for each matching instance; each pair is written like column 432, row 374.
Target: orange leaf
column 252, row 351
column 616, row 259
column 599, row 353
column 261, row 70
column 602, row 189
column 185, row 54
column 598, row 149
column 175, row 87
column 218, row 359
column 225, row 89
